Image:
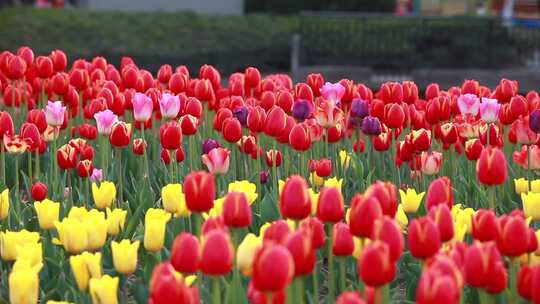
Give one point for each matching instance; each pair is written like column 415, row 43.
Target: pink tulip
column 489, row 110
column 97, row 175
column 217, row 160
column 142, row 107
column 431, row 162
column 54, row 113
column 169, row 105
column 105, row 120
column 332, row 92
column 468, row 104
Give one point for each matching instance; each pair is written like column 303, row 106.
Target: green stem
column 197, row 223
column 342, row 274
column 315, row 278
column 529, row 167
column 331, row 285
column 492, row 198
column 37, row 171
column 216, row 297
column 3, row 165
column 145, row 155
column 385, row 294
column 514, row 265
column 120, row 178
column 300, row 290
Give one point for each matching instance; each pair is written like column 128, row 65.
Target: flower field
column 121, row 186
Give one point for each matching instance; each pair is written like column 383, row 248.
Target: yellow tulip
column 4, row 204
column 314, row 200
column 521, row 185
column 189, row 280
column 104, row 194
column 115, row 220
column 24, row 282
column 263, row 228
column 154, row 232
column 85, row 266
column 77, row 213
column 401, row 218
column 249, row 189
column 173, row 200
column 333, row 182
column 316, row 180
column 535, row 186
column 411, row 200
column 10, row 240
column 344, row 158
column 47, row 213
column 104, row 289
column 72, row 234
column 347, row 215
column 463, row 217
column 57, row 302
column 460, row 231
column 30, row 251
column 246, row 253
column 125, row 256
column 96, row 227
column 531, row 205
column 359, row 244
column 281, row 184
column 538, row 239
column 217, row 210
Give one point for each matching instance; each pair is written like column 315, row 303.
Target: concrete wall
column 225, row 7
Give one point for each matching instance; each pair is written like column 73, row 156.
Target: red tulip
column 185, row 256
column 59, row 60
column 524, row 135
column 170, row 135
column 139, row 146
column 440, row 192
column 441, row 216
column 295, row 201
column 382, row 141
column 299, row 138
column 39, row 191
column 473, row 148
column 85, row 168
column 364, row 212
column 188, row 123
column 498, row 279
column 276, row 121
column 524, row 281
column 385, row 229
column 66, row 157
column 256, row 119
column 315, row 82
column 299, row 245
column 513, row 236
column 470, row 87
column 273, row 157
column 199, row 190
column 491, row 168
column 421, row 140
column 350, row 297
column 424, row 238
column 178, row 83
column 484, row 225
column 6, row 124
column 252, row 77
column 12, row 96
column 167, row 286
column 480, row 260
column 60, row 83
column 330, row 206
column 236, row 210
column 277, row 232
column 394, row 116
column 316, row 229
column 273, row 268
column 120, row 134
column 31, row 134
column 232, row 130
column 258, row 297
column 432, row 91
column 386, row 194
column 434, row 287
column 375, row 265
column 16, row 67
column 217, row 253
column 343, row 244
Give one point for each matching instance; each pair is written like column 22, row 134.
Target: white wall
column 226, row 7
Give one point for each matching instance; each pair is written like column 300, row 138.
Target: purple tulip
column 371, row 126
column 302, row 109
column 359, row 108
column 534, row 121
column 209, row 144
column 264, row 175
column 241, row 113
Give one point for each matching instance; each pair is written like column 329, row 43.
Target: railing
column 389, row 42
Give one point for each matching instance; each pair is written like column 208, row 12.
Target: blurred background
column 371, row 41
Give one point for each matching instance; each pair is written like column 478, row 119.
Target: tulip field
column 123, row 186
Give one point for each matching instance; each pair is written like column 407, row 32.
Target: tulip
column 116, row 219
column 531, row 153
column 364, row 212
column 332, row 91
column 125, row 256
column 97, row 175
column 85, row 168
column 431, row 163
column 491, row 168
column 473, row 148
column 343, row 244
column 436, row 288
column 273, row 158
column 10, row 241
column 4, row 204
column 375, row 265
column 169, row 105
column 521, row 185
column 142, row 107
column 217, row 161
column 295, row 201
column 489, row 110
column 54, row 113
column 105, row 121
column 273, row 268
column 155, row 222
column 104, row 289
column 173, row 199
column 72, row 235
column 47, row 213
column 524, row 135
column 199, row 190
column 39, row 191
column 386, row 229
column 424, row 238
column 236, row 210
column 170, row 135
column 276, row 121
column 468, row 104
column 249, row 189
column 386, row 194
column 421, row 139
column 232, row 130
column 531, row 205
column 84, row 267
column 299, row 138
column 6, row 124
column 479, row 262
column 96, row 226
column 166, row 285
column 15, row 144
column 371, row 126
column 394, row 116
column 217, row 253
column 302, row 109
column 246, row 253
column 513, row 236
column 534, row 121
column 410, row 200
column 330, row 205
column 484, row 225
column 185, row 256
column 440, row 192
column 120, row 134
column 350, row 297
column 441, row 216
column 139, row 146
column 24, row 282
column 524, row 281
column 104, row 194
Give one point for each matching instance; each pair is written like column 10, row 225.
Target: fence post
column 295, row 54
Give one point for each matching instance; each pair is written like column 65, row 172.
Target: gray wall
column 226, row 7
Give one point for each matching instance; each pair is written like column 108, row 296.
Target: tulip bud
column 185, row 256
column 385, row 229
column 513, row 236
column 375, row 265
column 125, row 256
column 120, row 134
column 232, row 130
column 436, row 288
column 480, row 260
column 491, row 168
column 524, row 281
column 39, row 191
column 85, row 168
column 273, row 157
column 236, row 210
column 330, row 205
column 386, row 194
column 199, row 190
column 217, row 253
column 170, row 135
column 139, row 146
column 343, row 244
column 166, row 285
column 484, row 225
column 276, row 121
column 364, row 212
column 440, row 192
column 273, row 268
column 441, row 216
column 424, row 238
column 277, row 232
column 295, row 201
